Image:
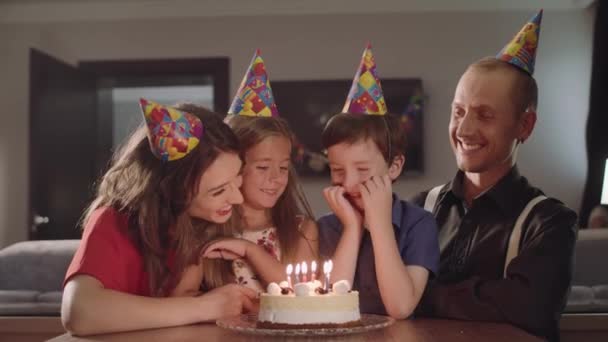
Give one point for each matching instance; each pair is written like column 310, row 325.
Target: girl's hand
column 228, row 249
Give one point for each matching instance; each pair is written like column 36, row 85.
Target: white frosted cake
column 307, row 305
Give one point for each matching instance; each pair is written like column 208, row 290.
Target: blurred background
column 72, row 71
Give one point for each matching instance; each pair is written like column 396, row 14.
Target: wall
column 125, row 119
column 435, row 46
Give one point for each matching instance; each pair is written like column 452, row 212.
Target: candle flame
column 313, row 266
column 304, row 267
column 297, row 268
column 289, row 269
column 327, row 266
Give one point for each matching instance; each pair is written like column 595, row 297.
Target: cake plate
column 247, row 324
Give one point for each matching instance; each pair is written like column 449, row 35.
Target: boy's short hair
column 386, row 131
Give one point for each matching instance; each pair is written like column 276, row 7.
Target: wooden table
column 408, row 330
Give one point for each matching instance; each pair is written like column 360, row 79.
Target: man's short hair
column 385, row 131
column 525, row 88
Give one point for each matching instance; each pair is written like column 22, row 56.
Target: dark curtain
column 597, row 122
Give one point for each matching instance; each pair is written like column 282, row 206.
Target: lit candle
column 304, row 272
column 327, row 266
column 313, row 270
column 289, row 270
column 297, row 273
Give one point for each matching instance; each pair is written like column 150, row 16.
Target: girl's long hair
column 292, row 207
column 155, row 197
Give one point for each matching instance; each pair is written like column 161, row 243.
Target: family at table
column 199, row 211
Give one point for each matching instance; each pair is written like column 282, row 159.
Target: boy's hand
column 229, row 249
column 377, row 197
column 346, row 213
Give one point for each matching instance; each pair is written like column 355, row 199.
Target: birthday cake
column 309, row 305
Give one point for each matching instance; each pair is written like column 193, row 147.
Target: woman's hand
column 230, row 300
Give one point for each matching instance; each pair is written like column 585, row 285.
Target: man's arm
column 537, row 283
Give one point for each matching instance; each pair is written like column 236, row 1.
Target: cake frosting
column 308, row 305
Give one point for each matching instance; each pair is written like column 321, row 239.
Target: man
column 506, row 250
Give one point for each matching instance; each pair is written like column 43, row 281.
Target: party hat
column 172, row 133
column 521, row 50
column 365, row 96
column 254, row 97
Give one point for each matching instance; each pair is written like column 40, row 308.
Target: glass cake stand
column 247, row 324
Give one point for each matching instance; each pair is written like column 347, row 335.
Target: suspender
column 513, row 248
column 431, row 198
column 514, row 238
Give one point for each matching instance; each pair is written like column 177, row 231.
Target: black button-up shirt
column 473, row 243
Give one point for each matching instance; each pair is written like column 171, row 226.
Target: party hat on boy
column 172, row 133
column 254, row 97
column 521, row 50
column 365, row 96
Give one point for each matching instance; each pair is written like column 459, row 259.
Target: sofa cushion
column 600, row 297
column 50, row 297
column 18, row 296
column 589, row 257
column 600, row 291
column 580, row 299
column 581, row 294
column 36, row 265
column 33, row 309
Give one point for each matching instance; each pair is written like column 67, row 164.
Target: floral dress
column 244, row 273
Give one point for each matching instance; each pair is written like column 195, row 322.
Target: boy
column 385, row 247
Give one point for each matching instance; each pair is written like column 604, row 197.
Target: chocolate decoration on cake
column 321, row 290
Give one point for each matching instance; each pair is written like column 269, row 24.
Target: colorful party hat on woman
column 254, row 97
column 521, row 51
column 172, row 133
column 365, row 96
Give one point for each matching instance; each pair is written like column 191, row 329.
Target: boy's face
column 353, row 164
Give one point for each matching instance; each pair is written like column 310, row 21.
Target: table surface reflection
column 405, row 330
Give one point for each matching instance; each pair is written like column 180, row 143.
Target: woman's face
column 218, row 189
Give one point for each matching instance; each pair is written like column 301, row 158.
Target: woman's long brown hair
column 292, row 206
column 155, row 196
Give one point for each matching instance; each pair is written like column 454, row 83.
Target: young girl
column 277, row 225
column 169, row 190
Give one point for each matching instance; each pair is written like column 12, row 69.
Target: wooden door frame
column 38, row 67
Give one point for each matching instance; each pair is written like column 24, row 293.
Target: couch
column 589, row 291
column 31, row 276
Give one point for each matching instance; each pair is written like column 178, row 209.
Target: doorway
column 79, row 115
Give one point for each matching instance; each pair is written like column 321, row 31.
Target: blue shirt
column 416, row 235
